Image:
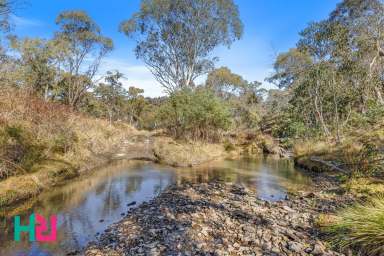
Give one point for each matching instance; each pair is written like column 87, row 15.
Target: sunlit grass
column 364, row 186
column 360, row 227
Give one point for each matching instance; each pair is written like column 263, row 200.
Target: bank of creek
column 227, row 207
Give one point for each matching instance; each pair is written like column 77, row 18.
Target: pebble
column 213, row 219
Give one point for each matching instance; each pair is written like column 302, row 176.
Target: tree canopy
column 175, row 38
column 336, row 71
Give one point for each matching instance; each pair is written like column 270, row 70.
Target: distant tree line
column 65, row 68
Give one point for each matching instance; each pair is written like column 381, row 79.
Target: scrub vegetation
column 59, row 115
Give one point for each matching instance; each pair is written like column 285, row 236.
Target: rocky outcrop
column 214, row 219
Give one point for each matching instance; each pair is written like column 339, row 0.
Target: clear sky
column 270, row 27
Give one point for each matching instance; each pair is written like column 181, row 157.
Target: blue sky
column 270, row 27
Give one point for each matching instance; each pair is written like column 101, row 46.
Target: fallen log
column 329, row 164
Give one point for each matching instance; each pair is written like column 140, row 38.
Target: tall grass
column 33, row 131
column 360, row 227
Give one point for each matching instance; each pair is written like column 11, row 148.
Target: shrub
column 64, row 141
column 19, row 150
column 373, row 115
column 195, row 115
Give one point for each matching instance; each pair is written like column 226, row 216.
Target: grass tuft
column 359, row 227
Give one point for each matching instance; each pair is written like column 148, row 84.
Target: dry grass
column 361, row 153
column 362, row 186
column 309, row 147
column 185, row 154
column 43, row 143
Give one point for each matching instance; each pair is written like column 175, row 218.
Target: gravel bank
column 215, row 219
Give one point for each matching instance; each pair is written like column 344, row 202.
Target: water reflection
column 88, row 206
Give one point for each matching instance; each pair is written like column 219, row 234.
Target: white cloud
column 25, row 22
column 136, row 75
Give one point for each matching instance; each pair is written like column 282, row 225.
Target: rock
column 132, row 203
column 267, row 246
column 212, row 219
column 295, row 247
column 318, row 249
column 288, row 209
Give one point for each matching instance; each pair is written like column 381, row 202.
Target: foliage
column 135, row 105
column 80, row 49
column 63, row 68
column 335, row 72
column 224, row 83
column 175, row 38
column 36, row 69
column 244, row 98
column 111, row 94
column 18, row 151
column 194, row 114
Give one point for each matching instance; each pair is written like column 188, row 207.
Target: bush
column 19, row 150
column 64, row 141
column 360, row 227
column 195, row 115
column 373, row 115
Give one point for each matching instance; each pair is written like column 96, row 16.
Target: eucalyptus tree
column 36, row 65
column 224, row 83
column 243, row 97
column 175, row 38
column 336, row 71
column 80, row 49
column 365, row 23
column 7, row 8
column 311, row 72
column 111, row 94
column 135, row 104
column 289, row 68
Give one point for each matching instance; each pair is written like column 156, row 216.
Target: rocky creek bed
column 217, row 219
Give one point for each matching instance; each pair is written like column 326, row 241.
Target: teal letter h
column 30, row 228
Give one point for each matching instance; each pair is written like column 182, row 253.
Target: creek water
column 87, row 206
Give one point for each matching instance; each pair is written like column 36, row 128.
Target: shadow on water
column 89, row 205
